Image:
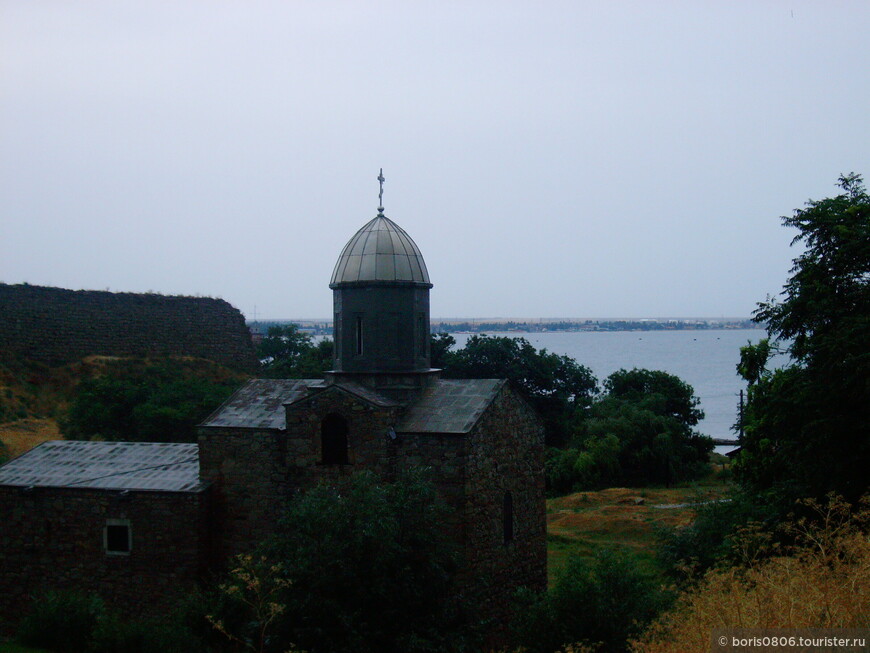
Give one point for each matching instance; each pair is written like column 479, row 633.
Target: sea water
column 705, row 359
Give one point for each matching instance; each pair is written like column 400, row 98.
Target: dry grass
column 585, row 522
column 824, row 583
column 24, row 434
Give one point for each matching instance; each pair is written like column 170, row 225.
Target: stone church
column 140, row 522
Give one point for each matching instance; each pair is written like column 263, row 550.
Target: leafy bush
column 358, row 566
column 74, row 622
column 62, row 621
column 287, row 353
column 688, row 551
column 557, row 386
column 639, row 432
column 820, row 581
column 601, row 602
column 148, row 401
column 114, row 634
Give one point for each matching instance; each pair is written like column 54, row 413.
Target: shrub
column 359, row 566
column 62, row 621
column 601, row 603
column 74, row 622
column 821, row 581
column 688, row 551
column 114, row 634
column 147, row 401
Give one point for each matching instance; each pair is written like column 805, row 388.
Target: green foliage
column 159, row 401
column 119, row 635
column 439, row 349
column 603, row 601
column 358, row 567
column 61, row 621
column 806, row 430
column 639, row 432
column 686, row 552
column 557, row 386
column 74, row 622
column 753, row 360
column 594, row 465
column 287, row 353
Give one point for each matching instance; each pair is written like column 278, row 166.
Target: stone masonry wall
column 52, row 538
column 249, row 484
column 507, row 455
column 255, row 472
column 58, row 326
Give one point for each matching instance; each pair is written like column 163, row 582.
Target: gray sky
column 549, row 158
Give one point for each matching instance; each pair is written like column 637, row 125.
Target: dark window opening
column 508, row 517
column 336, row 336
column 333, row 440
column 117, row 538
column 359, row 335
column 422, row 335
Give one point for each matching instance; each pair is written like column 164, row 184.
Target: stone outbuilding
column 127, row 520
column 382, row 409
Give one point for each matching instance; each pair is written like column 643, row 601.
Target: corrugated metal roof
column 259, row 404
column 158, row 466
column 380, row 251
column 450, row 406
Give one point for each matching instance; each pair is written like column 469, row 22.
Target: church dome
column 380, row 252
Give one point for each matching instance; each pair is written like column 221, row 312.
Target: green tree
column 287, row 353
column 602, row 602
column 557, row 386
column 639, row 431
column 806, row 426
column 440, row 345
column 365, row 566
column 148, row 401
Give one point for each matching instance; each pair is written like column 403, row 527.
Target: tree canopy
column 287, row 353
column 555, row 385
column 806, row 426
column 640, row 430
column 361, row 566
column 148, row 400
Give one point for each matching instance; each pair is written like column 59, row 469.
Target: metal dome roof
column 380, row 252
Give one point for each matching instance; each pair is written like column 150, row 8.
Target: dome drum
column 381, row 302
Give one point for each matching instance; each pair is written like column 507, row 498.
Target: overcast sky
column 549, row 158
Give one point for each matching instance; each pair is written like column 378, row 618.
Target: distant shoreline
column 540, row 325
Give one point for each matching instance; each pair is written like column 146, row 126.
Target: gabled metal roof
column 447, row 406
column 156, row 466
column 360, row 391
column 259, row 404
column 380, row 252
column 450, row 406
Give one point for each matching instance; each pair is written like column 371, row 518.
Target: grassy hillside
column 35, row 398
column 586, row 522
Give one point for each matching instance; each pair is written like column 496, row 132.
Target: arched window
column 333, row 440
column 359, row 335
column 508, row 517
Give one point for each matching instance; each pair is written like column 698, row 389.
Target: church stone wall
column 256, row 472
column 249, row 482
column 506, row 456
column 58, row 326
column 52, row 538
